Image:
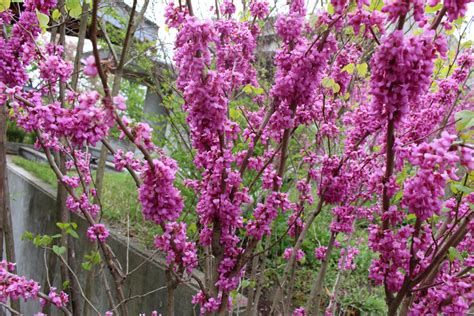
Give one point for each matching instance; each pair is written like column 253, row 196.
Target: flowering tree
column 361, row 121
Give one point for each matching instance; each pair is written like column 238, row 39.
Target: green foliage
column 355, row 291
column 74, row 8
column 90, row 260
column 18, row 135
column 43, row 20
column 4, row 5
column 69, row 228
column 42, row 241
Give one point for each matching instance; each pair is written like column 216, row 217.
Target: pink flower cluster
column 264, row 214
column 374, row 20
column 455, row 8
column 208, row 305
column 97, row 232
column 397, row 8
column 59, row 300
column 90, row 68
column 451, row 296
column 54, row 67
column 401, row 72
column 394, row 250
column 320, row 253
column 227, row 7
column 83, row 205
column 346, row 261
column 437, row 162
column 259, row 9
column 175, row 15
column 40, row 5
column 299, row 254
column 15, row 287
column 175, row 233
column 18, row 50
column 84, row 124
column 121, row 160
column 161, row 201
column 343, row 219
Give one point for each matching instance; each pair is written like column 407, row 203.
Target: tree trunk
column 6, row 226
column 314, row 300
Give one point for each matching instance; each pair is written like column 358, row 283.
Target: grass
column 119, row 199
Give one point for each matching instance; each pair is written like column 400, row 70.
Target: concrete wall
column 33, row 209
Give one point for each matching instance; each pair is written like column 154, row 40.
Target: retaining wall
column 33, row 207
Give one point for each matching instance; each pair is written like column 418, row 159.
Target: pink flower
column 119, row 102
column 288, row 252
column 160, row 200
column 90, row 68
column 259, row 9
column 320, row 252
column 227, row 8
column 97, row 232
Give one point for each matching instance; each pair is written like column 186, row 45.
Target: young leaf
column 56, row 15
column 27, row 235
column 348, row 68
column 429, row 9
column 464, row 120
column 4, row 5
column 86, row 266
column 327, row 82
column 59, row 250
column 362, row 69
column 43, row 20
column 74, row 8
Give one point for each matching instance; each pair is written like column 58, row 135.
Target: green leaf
column 330, row 8
column 27, row 235
column 42, row 241
column 245, row 283
column 362, row 69
column 411, row 217
column 74, row 8
column 259, row 91
column 72, row 233
column 467, row 44
column 66, row 284
column 434, row 9
column 461, row 188
column 458, row 21
column 376, row 5
column 249, row 89
column 95, row 257
column 453, row 254
column 4, row 5
column 43, row 20
column 327, row 82
column 62, row 225
column 349, row 68
column 398, row 197
column 56, row 15
column 59, row 250
column 418, row 32
column 464, row 120
column 86, row 266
